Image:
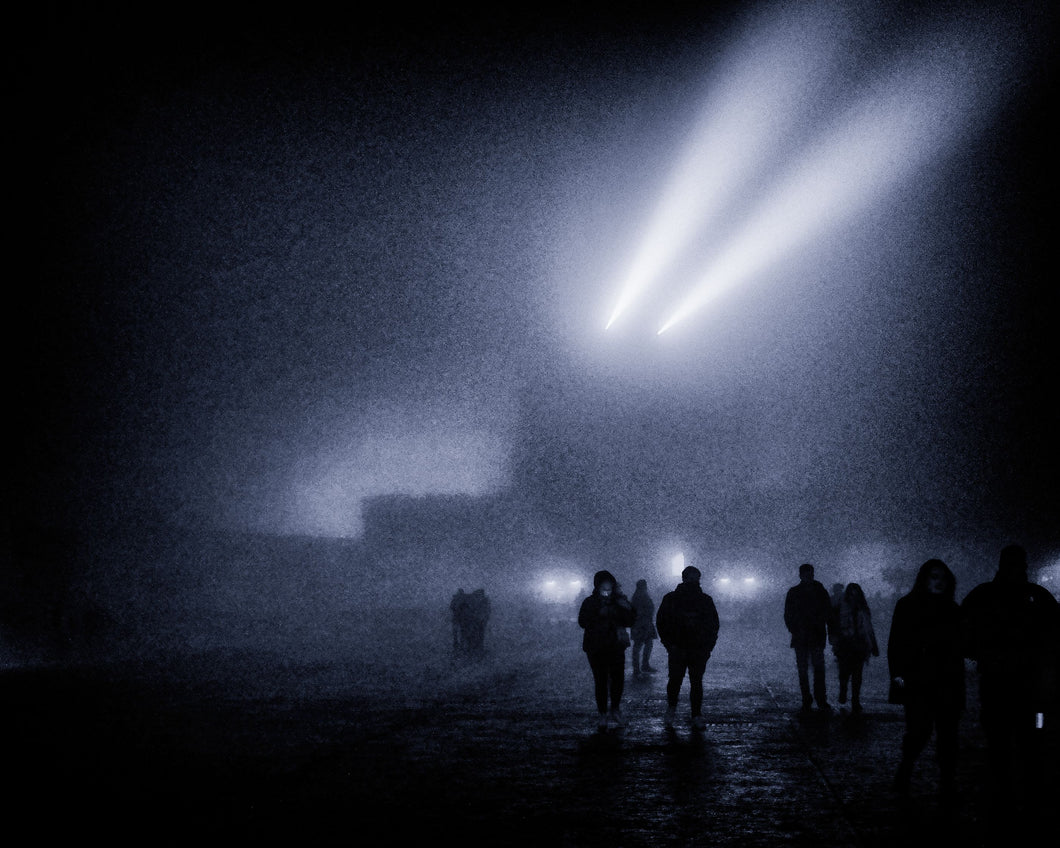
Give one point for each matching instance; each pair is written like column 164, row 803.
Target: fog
column 317, row 317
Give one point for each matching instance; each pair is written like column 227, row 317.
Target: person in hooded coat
column 604, row 617
column 926, row 664
column 1011, row 629
column 688, row 627
column 643, row 631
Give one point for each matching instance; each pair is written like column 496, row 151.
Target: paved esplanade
column 401, row 746
column 510, row 754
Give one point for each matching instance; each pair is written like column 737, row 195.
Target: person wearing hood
column 927, row 672
column 643, row 631
column 604, row 617
column 1011, row 629
column 688, row 626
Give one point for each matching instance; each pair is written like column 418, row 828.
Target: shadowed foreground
column 248, row 746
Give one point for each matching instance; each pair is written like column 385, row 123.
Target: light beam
column 905, row 122
column 741, row 125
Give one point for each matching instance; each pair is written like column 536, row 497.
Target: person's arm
column 713, row 622
column 583, row 613
column 896, row 645
column 663, row 624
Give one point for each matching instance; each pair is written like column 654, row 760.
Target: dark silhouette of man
column 1011, row 629
column 688, row 626
column 643, row 631
column 807, row 615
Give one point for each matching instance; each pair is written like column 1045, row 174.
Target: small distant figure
column 476, row 617
column 1011, row 630
column 807, row 615
column 457, row 611
column 604, row 616
column 643, row 631
column 688, row 627
column 853, row 642
column 927, row 672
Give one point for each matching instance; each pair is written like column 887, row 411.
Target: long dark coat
column 924, row 649
column 687, row 619
column 601, row 619
column 807, row 614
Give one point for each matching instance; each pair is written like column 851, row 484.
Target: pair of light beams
column 850, row 144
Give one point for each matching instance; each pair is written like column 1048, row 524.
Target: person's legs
column 820, row 692
column 999, row 723
column 599, row 664
column 947, row 723
column 918, row 724
column 697, row 666
column 676, row 668
column 617, row 677
column 856, row 674
column 645, row 662
column 635, row 655
column 802, row 665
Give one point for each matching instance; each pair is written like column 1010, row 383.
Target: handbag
column 623, row 637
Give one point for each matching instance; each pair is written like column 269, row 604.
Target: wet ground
column 251, row 746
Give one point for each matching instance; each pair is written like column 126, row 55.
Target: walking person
column 643, row 632
column 1012, row 632
column 688, row 626
column 604, row 616
column 807, row 615
column 853, row 642
column 926, row 664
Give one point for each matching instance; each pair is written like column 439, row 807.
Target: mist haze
column 313, row 323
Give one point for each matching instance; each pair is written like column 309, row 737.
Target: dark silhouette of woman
column 926, row 662
column 602, row 615
column 853, row 642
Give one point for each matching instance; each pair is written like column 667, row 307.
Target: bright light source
column 561, row 589
column 724, row 581
column 677, row 564
column 749, row 580
column 898, row 122
column 752, row 108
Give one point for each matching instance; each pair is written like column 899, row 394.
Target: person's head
column 806, row 572
column 853, row 595
column 604, row 583
column 837, row 589
column 691, row 574
column 642, row 585
column 935, row 578
column 1012, row 566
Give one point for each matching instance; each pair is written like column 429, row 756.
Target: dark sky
column 275, row 265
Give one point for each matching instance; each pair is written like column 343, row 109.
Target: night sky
column 272, row 266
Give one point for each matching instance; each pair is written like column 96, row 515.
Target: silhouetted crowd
column 1009, row 626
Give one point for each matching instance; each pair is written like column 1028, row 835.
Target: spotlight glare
column 740, row 125
column 883, row 140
